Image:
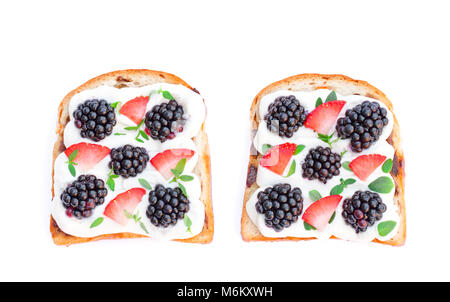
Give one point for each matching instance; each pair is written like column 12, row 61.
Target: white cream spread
column 308, row 137
column 194, row 115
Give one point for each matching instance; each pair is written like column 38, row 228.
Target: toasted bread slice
column 137, row 78
column 346, row 86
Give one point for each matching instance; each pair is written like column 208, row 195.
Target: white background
column 228, row 50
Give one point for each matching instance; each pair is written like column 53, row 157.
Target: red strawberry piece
column 364, row 165
column 323, row 117
column 319, row 213
column 277, row 157
column 168, row 159
column 135, row 109
column 88, row 154
column 126, row 201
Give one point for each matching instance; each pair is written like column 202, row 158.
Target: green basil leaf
column 307, row 226
column 299, row 149
column 382, row 185
column 179, row 168
column 319, row 102
column 110, row 183
column 331, row 97
column 127, row 214
column 336, row 190
column 314, row 195
column 346, row 166
column 349, row 181
column 186, row 177
column 387, row 166
column 145, row 184
column 116, row 105
column 332, row 217
column 386, row 227
column 175, row 172
column 187, row 223
column 323, row 136
column 265, row 147
column 96, row 222
column 291, row 169
column 175, row 178
column 72, row 170
column 73, row 155
column 141, row 224
column 144, row 135
column 326, row 140
column 118, row 133
column 140, row 123
column 183, row 189
column 166, row 94
column 139, row 140
column 130, row 128
column 335, row 140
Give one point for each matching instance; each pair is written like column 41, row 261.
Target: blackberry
column 363, row 124
column 280, row 205
column 166, row 206
column 164, row 120
column 128, row 161
column 321, row 164
column 83, row 195
column 285, row 116
column 95, row 118
column 362, row 210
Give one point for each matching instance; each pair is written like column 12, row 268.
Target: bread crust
column 337, row 82
column 136, row 78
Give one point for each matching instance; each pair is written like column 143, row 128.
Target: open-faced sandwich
column 132, row 160
column 326, row 162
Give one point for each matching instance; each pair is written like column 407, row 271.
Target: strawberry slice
column 135, row 109
column 168, row 159
column 88, row 155
column 364, row 165
column 323, row 117
column 319, row 213
column 277, row 157
column 124, row 201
